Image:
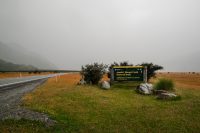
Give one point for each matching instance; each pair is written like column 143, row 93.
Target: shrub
column 92, row 73
column 151, row 69
column 164, row 84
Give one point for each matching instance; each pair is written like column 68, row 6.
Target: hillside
column 7, row 66
column 18, row 55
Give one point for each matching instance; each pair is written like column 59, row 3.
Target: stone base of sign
column 105, row 85
column 167, row 96
column 82, row 82
column 145, row 88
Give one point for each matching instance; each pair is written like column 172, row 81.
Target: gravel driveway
column 10, row 104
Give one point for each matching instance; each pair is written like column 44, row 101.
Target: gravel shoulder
column 10, row 104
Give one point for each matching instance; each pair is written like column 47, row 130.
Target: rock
column 105, row 85
column 157, row 92
column 167, row 96
column 145, row 88
column 81, row 82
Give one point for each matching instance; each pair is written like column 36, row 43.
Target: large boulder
column 105, row 85
column 158, row 92
column 167, row 96
column 145, row 88
column 82, row 82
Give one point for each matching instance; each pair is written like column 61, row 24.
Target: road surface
column 13, row 81
column 11, row 92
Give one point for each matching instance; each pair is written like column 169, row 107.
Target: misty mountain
column 18, row 55
column 8, row 66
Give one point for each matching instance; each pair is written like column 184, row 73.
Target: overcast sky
column 71, row 33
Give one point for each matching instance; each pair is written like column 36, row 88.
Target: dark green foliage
column 125, row 63
column 93, row 73
column 164, row 84
column 151, row 69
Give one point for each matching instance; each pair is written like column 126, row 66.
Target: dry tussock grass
column 54, row 85
column 183, row 80
column 105, row 78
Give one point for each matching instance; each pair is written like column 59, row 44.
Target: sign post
column 145, row 74
column 112, row 76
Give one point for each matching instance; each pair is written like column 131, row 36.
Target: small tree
column 93, row 73
column 125, row 63
column 151, row 69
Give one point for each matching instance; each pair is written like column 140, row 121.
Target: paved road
column 11, row 92
column 10, row 104
column 12, row 81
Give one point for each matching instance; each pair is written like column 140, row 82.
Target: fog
column 71, row 33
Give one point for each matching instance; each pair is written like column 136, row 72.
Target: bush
column 151, row 69
column 164, row 84
column 92, row 73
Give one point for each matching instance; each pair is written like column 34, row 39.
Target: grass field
column 91, row 109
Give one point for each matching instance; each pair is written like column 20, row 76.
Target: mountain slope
column 16, row 54
column 7, row 66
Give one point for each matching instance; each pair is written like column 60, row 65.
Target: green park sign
column 128, row 73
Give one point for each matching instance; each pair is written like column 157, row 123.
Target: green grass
column 164, row 84
column 121, row 109
column 22, row 126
